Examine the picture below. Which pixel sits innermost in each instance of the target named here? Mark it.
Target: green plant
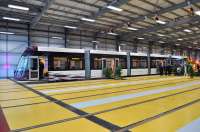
(118, 72)
(107, 72)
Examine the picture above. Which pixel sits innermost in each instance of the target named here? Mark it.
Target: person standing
(41, 69)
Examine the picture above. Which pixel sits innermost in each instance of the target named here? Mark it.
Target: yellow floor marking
(148, 87)
(22, 101)
(26, 116)
(17, 95)
(10, 87)
(133, 114)
(81, 125)
(104, 86)
(86, 83)
(171, 122)
(132, 101)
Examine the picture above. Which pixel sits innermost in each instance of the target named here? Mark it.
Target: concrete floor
(139, 104)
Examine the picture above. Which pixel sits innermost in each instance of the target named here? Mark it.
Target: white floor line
(96, 102)
(82, 88)
(191, 127)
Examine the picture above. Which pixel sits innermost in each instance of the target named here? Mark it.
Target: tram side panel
(139, 65)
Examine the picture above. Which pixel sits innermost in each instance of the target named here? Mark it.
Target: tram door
(110, 63)
(33, 68)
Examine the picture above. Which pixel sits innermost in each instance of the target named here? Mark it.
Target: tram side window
(139, 62)
(123, 63)
(143, 63)
(97, 63)
(60, 63)
(75, 64)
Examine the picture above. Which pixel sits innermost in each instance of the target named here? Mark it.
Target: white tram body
(77, 64)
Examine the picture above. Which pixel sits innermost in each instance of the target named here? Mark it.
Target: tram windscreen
(21, 71)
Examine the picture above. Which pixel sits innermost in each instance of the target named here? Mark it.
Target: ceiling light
(56, 37)
(141, 38)
(187, 30)
(114, 8)
(11, 19)
(160, 22)
(161, 41)
(94, 41)
(131, 28)
(161, 35)
(197, 13)
(111, 33)
(180, 39)
(88, 19)
(123, 44)
(71, 27)
(177, 44)
(18, 7)
(7, 33)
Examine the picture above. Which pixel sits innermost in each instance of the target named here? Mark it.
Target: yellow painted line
(132, 101)
(126, 116)
(16, 95)
(111, 85)
(136, 89)
(173, 121)
(22, 101)
(87, 83)
(80, 125)
(26, 116)
(19, 102)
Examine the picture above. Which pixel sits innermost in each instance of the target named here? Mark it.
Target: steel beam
(165, 10)
(42, 12)
(161, 27)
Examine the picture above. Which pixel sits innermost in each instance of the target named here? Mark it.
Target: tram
(57, 64)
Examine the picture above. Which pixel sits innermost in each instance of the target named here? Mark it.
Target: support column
(87, 64)
(117, 43)
(29, 37)
(196, 54)
(149, 57)
(162, 50)
(66, 33)
(135, 45)
(188, 53)
(81, 39)
(95, 42)
(48, 36)
(128, 64)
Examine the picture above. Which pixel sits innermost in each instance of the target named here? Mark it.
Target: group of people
(165, 69)
(178, 69)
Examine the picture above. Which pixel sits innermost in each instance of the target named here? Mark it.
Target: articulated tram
(57, 64)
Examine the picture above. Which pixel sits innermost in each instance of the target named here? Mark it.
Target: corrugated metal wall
(12, 46)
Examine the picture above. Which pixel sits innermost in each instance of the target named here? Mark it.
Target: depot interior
(99, 65)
